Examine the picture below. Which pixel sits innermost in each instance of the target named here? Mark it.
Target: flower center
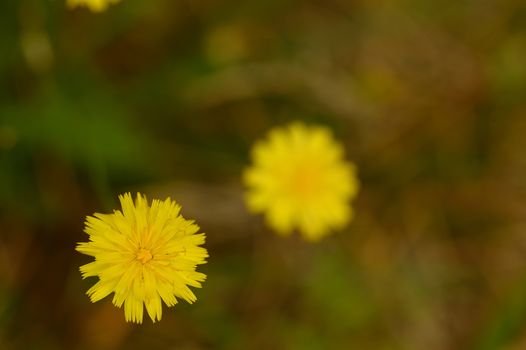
(305, 181)
(144, 255)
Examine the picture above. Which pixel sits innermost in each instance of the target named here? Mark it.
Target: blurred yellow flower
(142, 255)
(299, 180)
(94, 5)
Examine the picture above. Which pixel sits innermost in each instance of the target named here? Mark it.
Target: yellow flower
(94, 5)
(142, 255)
(300, 180)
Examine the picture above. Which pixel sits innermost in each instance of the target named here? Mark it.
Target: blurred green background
(166, 97)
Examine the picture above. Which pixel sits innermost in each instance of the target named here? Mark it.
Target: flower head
(143, 255)
(300, 180)
(94, 5)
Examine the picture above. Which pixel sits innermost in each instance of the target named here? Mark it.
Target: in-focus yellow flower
(94, 5)
(142, 255)
(299, 180)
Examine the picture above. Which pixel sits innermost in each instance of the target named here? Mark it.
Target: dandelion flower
(143, 255)
(300, 181)
(94, 5)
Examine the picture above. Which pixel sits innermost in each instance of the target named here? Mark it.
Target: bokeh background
(166, 97)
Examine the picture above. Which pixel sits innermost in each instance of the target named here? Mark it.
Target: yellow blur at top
(94, 5)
